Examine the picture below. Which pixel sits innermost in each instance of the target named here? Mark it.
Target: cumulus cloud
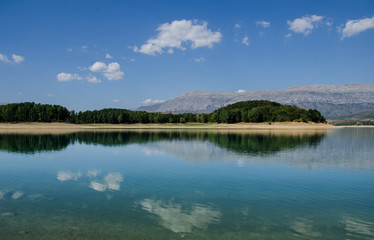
(4, 58)
(237, 25)
(66, 77)
(263, 23)
(108, 56)
(15, 58)
(305, 24)
(112, 71)
(240, 91)
(149, 101)
(179, 34)
(245, 41)
(93, 79)
(353, 27)
(288, 35)
(199, 60)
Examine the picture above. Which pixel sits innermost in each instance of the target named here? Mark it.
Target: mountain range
(333, 101)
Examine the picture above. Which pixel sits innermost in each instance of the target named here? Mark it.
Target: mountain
(363, 118)
(331, 100)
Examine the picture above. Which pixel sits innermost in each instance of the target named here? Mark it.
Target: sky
(89, 55)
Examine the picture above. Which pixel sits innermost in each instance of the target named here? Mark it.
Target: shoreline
(275, 125)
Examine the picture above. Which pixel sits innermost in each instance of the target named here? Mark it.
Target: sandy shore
(289, 128)
(276, 125)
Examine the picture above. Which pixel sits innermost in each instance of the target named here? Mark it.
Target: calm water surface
(188, 185)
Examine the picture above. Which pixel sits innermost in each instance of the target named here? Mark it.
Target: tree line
(248, 111)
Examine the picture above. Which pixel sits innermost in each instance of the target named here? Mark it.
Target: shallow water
(188, 184)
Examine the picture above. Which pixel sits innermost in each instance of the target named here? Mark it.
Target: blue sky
(123, 54)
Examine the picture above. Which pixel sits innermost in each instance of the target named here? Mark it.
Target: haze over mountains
(331, 100)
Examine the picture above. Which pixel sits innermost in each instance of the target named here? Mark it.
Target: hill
(363, 118)
(264, 111)
(331, 100)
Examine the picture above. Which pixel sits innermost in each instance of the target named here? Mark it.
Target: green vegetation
(249, 111)
(264, 111)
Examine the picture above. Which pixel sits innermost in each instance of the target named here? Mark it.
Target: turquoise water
(188, 185)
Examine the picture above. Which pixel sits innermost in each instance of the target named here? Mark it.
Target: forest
(247, 111)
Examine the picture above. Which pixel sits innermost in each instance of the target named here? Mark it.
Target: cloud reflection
(111, 181)
(304, 227)
(178, 220)
(356, 226)
(67, 175)
(10, 194)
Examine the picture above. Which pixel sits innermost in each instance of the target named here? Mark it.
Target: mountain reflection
(243, 143)
(179, 220)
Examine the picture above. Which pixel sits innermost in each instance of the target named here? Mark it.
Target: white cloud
(241, 91)
(237, 25)
(15, 58)
(84, 47)
(178, 34)
(93, 79)
(353, 27)
(69, 49)
(263, 23)
(65, 77)
(149, 101)
(245, 41)
(4, 58)
(108, 56)
(132, 60)
(115, 100)
(304, 24)
(50, 95)
(288, 35)
(329, 23)
(112, 71)
(199, 60)
(98, 67)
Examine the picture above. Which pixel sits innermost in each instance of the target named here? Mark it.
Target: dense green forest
(249, 111)
(264, 111)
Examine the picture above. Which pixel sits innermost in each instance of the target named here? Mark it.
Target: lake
(188, 184)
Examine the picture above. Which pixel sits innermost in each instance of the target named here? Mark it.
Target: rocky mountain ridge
(332, 101)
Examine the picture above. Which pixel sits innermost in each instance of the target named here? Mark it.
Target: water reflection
(67, 175)
(179, 220)
(11, 195)
(252, 142)
(320, 148)
(303, 227)
(111, 181)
